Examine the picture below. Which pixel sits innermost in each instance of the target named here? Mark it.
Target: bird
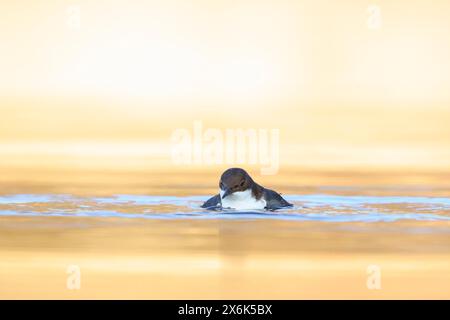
(237, 190)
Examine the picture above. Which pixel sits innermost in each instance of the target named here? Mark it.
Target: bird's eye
(242, 183)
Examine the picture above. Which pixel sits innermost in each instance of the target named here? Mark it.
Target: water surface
(312, 207)
(161, 244)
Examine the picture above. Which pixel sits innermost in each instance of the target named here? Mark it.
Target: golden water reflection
(139, 258)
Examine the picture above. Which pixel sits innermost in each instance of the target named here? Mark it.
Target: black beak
(227, 193)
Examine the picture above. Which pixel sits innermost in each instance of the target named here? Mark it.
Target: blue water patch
(312, 207)
(334, 200)
(142, 199)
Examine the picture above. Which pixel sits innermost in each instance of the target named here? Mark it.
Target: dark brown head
(234, 180)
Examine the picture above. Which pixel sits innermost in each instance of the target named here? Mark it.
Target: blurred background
(101, 85)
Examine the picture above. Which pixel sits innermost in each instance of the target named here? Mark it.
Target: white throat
(242, 200)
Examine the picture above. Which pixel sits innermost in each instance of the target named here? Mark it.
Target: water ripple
(312, 207)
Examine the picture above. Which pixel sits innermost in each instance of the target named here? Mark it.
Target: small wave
(315, 207)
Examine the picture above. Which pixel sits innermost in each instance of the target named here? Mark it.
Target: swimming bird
(237, 190)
